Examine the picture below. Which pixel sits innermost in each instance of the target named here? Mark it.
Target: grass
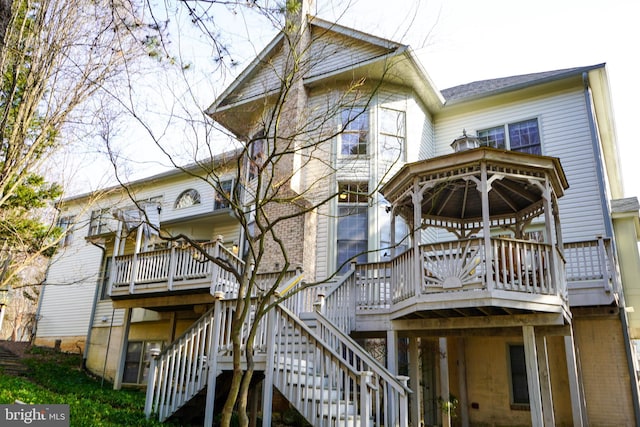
(54, 377)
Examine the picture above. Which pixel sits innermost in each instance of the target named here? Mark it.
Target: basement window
(138, 358)
(518, 380)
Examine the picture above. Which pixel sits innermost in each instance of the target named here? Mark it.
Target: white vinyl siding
(72, 281)
(331, 51)
(564, 133)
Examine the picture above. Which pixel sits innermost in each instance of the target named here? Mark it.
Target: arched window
(187, 198)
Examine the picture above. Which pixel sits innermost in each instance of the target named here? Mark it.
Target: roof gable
(333, 48)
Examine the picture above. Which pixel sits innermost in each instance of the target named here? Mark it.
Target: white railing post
(267, 383)
(215, 269)
(151, 386)
(403, 410)
(172, 267)
(134, 261)
(365, 398)
(602, 259)
(213, 359)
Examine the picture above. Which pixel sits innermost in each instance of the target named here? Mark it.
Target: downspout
(595, 142)
(93, 309)
(608, 223)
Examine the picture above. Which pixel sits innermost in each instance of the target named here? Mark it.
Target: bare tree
(55, 58)
(277, 205)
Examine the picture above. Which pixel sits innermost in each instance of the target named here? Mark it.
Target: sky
(460, 41)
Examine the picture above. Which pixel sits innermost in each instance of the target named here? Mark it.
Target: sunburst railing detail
(452, 265)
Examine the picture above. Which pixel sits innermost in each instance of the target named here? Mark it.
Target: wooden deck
(461, 276)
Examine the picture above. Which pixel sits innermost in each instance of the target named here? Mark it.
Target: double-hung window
(257, 154)
(391, 139)
(521, 136)
(353, 224)
(223, 196)
(354, 139)
(65, 223)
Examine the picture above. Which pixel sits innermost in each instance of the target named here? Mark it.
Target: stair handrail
(341, 314)
(352, 345)
(161, 389)
(283, 365)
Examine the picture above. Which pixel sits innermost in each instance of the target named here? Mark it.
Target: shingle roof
(489, 87)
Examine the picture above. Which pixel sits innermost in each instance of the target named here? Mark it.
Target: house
(496, 281)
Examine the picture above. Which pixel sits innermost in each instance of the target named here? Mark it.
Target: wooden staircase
(323, 373)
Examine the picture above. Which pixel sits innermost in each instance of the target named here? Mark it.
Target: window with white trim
(105, 271)
(352, 240)
(391, 139)
(354, 138)
(66, 223)
(99, 221)
(521, 136)
(187, 198)
(222, 198)
(257, 154)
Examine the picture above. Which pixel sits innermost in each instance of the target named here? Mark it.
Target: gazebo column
(486, 223)
(548, 212)
(392, 229)
(416, 199)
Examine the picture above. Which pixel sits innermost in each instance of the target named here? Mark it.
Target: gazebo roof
(450, 186)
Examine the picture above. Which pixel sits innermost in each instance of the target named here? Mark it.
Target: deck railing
(179, 267)
(515, 266)
(461, 265)
(592, 261)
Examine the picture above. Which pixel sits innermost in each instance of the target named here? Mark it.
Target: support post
(392, 351)
(414, 378)
(151, 385)
(404, 404)
(533, 380)
(212, 360)
(392, 365)
(462, 384)
(545, 381)
(124, 342)
(574, 381)
(267, 383)
(444, 382)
